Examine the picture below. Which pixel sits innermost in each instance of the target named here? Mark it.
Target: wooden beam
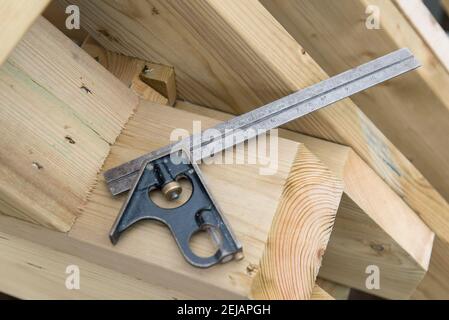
(376, 223)
(359, 242)
(149, 252)
(59, 113)
(151, 130)
(38, 272)
(16, 17)
(318, 26)
(292, 257)
(162, 79)
(435, 285)
(372, 227)
(337, 38)
(126, 69)
(156, 84)
(425, 25)
(239, 57)
(152, 82)
(337, 291)
(42, 53)
(33, 271)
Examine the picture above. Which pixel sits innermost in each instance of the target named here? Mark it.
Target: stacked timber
(359, 184)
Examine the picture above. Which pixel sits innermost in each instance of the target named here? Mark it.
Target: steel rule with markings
(161, 169)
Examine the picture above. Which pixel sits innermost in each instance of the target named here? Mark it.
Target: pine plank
(425, 25)
(234, 56)
(372, 226)
(412, 111)
(126, 69)
(38, 272)
(56, 134)
(149, 252)
(150, 129)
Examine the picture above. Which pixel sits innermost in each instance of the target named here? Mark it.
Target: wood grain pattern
(412, 111)
(359, 237)
(55, 134)
(162, 79)
(372, 226)
(297, 242)
(16, 17)
(435, 285)
(150, 129)
(126, 69)
(419, 100)
(149, 252)
(38, 272)
(425, 25)
(54, 62)
(233, 55)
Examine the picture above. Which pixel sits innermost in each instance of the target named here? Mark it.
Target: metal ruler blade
(276, 113)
